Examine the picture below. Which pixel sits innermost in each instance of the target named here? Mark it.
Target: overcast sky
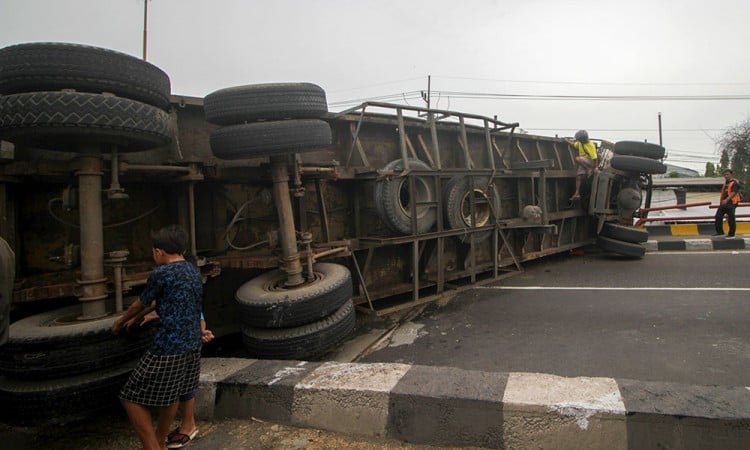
(360, 49)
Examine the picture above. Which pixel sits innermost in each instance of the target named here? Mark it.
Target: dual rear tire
(279, 321)
(267, 120)
(301, 322)
(639, 157)
(60, 96)
(64, 97)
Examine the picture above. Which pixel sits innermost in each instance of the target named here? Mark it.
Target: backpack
(740, 188)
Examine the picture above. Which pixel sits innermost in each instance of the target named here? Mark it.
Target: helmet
(582, 135)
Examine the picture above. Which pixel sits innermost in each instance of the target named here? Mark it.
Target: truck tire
(458, 207)
(392, 199)
(236, 105)
(64, 120)
(52, 66)
(68, 398)
(270, 138)
(54, 344)
(637, 148)
(304, 342)
(629, 249)
(638, 164)
(624, 233)
(264, 302)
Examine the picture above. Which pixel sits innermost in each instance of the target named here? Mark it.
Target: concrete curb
(698, 244)
(455, 407)
(693, 229)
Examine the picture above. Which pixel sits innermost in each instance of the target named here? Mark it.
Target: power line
(490, 95)
(588, 83)
(410, 95)
(385, 83)
(545, 97)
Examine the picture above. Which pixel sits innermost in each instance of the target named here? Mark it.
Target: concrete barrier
(693, 229)
(697, 244)
(455, 407)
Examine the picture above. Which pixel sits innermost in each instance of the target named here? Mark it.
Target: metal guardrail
(644, 211)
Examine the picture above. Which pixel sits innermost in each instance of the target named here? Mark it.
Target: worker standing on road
(728, 201)
(586, 159)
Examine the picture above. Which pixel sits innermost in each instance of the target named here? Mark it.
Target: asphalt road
(677, 317)
(672, 316)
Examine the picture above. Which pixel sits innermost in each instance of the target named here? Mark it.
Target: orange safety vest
(729, 189)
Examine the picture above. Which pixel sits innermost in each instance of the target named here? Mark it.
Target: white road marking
(702, 253)
(602, 288)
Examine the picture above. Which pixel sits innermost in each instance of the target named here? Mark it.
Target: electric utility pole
(145, 27)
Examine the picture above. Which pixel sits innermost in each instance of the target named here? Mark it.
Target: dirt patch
(111, 431)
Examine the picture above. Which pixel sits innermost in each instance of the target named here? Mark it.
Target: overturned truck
(300, 217)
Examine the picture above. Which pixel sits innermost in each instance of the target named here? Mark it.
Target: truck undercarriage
(299, 217)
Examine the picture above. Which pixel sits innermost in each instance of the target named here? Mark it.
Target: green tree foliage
(735, 153)
(711, 170)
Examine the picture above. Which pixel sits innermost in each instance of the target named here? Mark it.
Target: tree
(735, 152)
(711, 170)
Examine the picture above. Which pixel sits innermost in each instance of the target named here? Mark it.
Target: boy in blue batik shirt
(171, 366)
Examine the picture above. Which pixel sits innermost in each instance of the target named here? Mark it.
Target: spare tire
(270, 138)
(393, 199)
(458, 205)
(52, 66)
(236, 105)
(638, 164)
(637, 148)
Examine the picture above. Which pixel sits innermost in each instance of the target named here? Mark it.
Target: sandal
(175, 439)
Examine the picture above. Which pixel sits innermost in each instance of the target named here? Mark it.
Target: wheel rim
(481, 208)
(277, 284)
(423, 194)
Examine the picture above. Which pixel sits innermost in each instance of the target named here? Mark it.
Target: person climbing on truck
(586, 159)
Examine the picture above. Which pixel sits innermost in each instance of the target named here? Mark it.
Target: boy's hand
(207, 336)
(116, 326)
(149, 317)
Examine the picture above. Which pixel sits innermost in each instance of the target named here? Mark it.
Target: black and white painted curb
(454, 407)
(698, 244)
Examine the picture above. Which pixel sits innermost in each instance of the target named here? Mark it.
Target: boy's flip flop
(178, 440)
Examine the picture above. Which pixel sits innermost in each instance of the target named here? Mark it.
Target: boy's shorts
(160, 380)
